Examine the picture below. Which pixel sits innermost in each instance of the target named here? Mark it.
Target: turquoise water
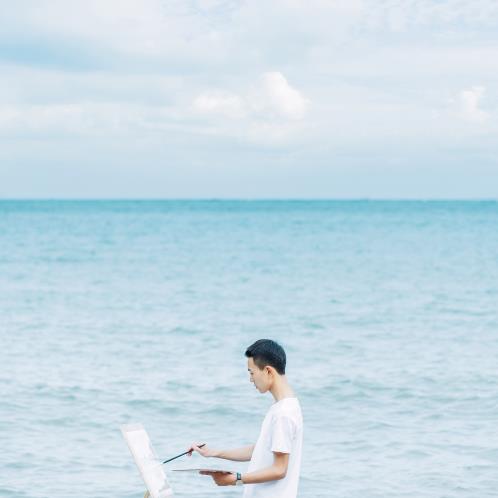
(117, 312)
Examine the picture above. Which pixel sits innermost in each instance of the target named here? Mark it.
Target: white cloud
(143, 30)
(81, 120)
(42, 119)
(272, 97)
(270, 111)
(282, 97)
(417, 14)
(225, 104)
(95, 104)
(469, 101)
(190, 66)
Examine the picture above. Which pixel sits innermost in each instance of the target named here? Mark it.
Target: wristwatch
(238, 482)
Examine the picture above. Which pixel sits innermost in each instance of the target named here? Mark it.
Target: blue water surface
(140, 311)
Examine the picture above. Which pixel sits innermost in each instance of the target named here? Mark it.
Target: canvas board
(150, 467)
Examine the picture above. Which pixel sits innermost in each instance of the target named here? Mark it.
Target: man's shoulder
(288, 407)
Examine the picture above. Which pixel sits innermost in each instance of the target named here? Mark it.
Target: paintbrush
(181, 454)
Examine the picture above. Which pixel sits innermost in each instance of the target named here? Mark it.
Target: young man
(275, 459)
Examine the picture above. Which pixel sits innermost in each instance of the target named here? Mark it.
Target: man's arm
(243, 454)
(272, 473)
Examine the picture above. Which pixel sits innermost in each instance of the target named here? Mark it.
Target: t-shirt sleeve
(283, 434)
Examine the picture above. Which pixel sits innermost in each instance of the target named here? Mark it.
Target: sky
(249, 99)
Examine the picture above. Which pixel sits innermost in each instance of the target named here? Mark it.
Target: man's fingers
(193, 447)
(147, 494)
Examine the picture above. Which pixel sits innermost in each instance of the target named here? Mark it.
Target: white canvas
(149, 466)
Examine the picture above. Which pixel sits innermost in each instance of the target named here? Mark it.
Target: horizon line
(248, 199)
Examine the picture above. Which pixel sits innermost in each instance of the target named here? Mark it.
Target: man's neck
(281, 389)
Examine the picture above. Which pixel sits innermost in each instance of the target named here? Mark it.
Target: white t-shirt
(282, 431)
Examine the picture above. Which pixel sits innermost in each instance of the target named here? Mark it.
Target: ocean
(113, 312)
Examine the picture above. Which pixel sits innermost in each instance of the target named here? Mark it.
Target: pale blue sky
(249, 99)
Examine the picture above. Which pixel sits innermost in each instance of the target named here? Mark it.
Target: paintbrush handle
(181, 454)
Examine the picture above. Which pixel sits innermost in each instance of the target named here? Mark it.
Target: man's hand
(147, 494)
(204, 451)
(221, 478)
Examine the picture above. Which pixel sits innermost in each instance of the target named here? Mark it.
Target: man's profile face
(260, 378)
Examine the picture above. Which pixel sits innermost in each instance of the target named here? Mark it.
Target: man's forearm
(237, 454)
(272, 473)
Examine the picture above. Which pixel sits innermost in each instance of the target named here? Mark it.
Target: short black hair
(267, 352)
